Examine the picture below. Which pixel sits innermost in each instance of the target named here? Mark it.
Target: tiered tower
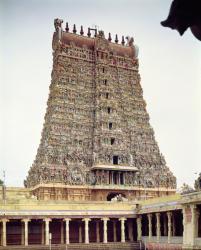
(97, 142)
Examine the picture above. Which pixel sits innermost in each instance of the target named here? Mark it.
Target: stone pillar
(173, 225)
(47, 233)
(26, 231)
(195, 217)
(119, 178)
(112, 177)
(80, 232)
(114, 230)
(165, 225)
(43, 233)
(86, 221)
(190, 222)
(158, 227)
(67, 220)
(139, 228)
(97, 231)
(122, 229)
(130, 230)
(22, 233)
(150, 225)
(123, 173)
(105, 229)
(169, 216)
(108, 177)
(62, 232)
(4, 241)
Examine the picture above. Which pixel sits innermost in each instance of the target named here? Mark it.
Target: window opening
(112, 141)
(107, 95)
(110, 125)
(115, 160)
(108, 110)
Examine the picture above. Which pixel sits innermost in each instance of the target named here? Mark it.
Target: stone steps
(76, 246)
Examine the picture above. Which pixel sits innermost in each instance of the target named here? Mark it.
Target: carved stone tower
(97, 143)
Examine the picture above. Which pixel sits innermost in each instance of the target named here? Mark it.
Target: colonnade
(110, 177)
(66, 223)
(160, 224)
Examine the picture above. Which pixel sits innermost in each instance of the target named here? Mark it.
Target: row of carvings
(76, 175)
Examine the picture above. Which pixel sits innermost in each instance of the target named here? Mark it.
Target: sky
(169, 65)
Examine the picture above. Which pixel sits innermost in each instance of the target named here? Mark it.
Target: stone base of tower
(97, 193)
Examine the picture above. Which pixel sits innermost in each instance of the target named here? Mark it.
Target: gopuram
(99, 180)
(97, 142)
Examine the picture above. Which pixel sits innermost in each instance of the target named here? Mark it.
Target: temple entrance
(115, 195)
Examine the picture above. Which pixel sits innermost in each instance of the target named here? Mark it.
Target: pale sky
(170, 68)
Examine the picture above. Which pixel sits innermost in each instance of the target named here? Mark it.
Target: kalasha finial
(109, 37)
(81, 31)
(67, 28)
(95, 33)
(74, 29)
(122, 41)
(89, 33)
(116, 39)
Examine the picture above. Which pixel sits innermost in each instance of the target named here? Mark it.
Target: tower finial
(81, 31)
(67, 28)
(122, 41)
(95, 33)
(74, 29)
(89, 33)
(116, 39)
(109, 37)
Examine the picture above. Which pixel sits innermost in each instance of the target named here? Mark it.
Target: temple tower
(97, 142)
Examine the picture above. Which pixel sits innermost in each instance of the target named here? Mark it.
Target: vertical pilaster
(139, 227)
(97, 231)
(150, 225)
(86, 226)
(26, 232)
(114, 230)
(47, 232)
(158, 227)
(67, 220)
(169, 216)
(4, 240)
(122, 229)
(105, 220)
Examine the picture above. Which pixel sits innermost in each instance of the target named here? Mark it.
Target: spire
(116, 39)
(89, 33)
(122, 41)
(109, 37)
(67, 28)
(81, 31)
(74, 29)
